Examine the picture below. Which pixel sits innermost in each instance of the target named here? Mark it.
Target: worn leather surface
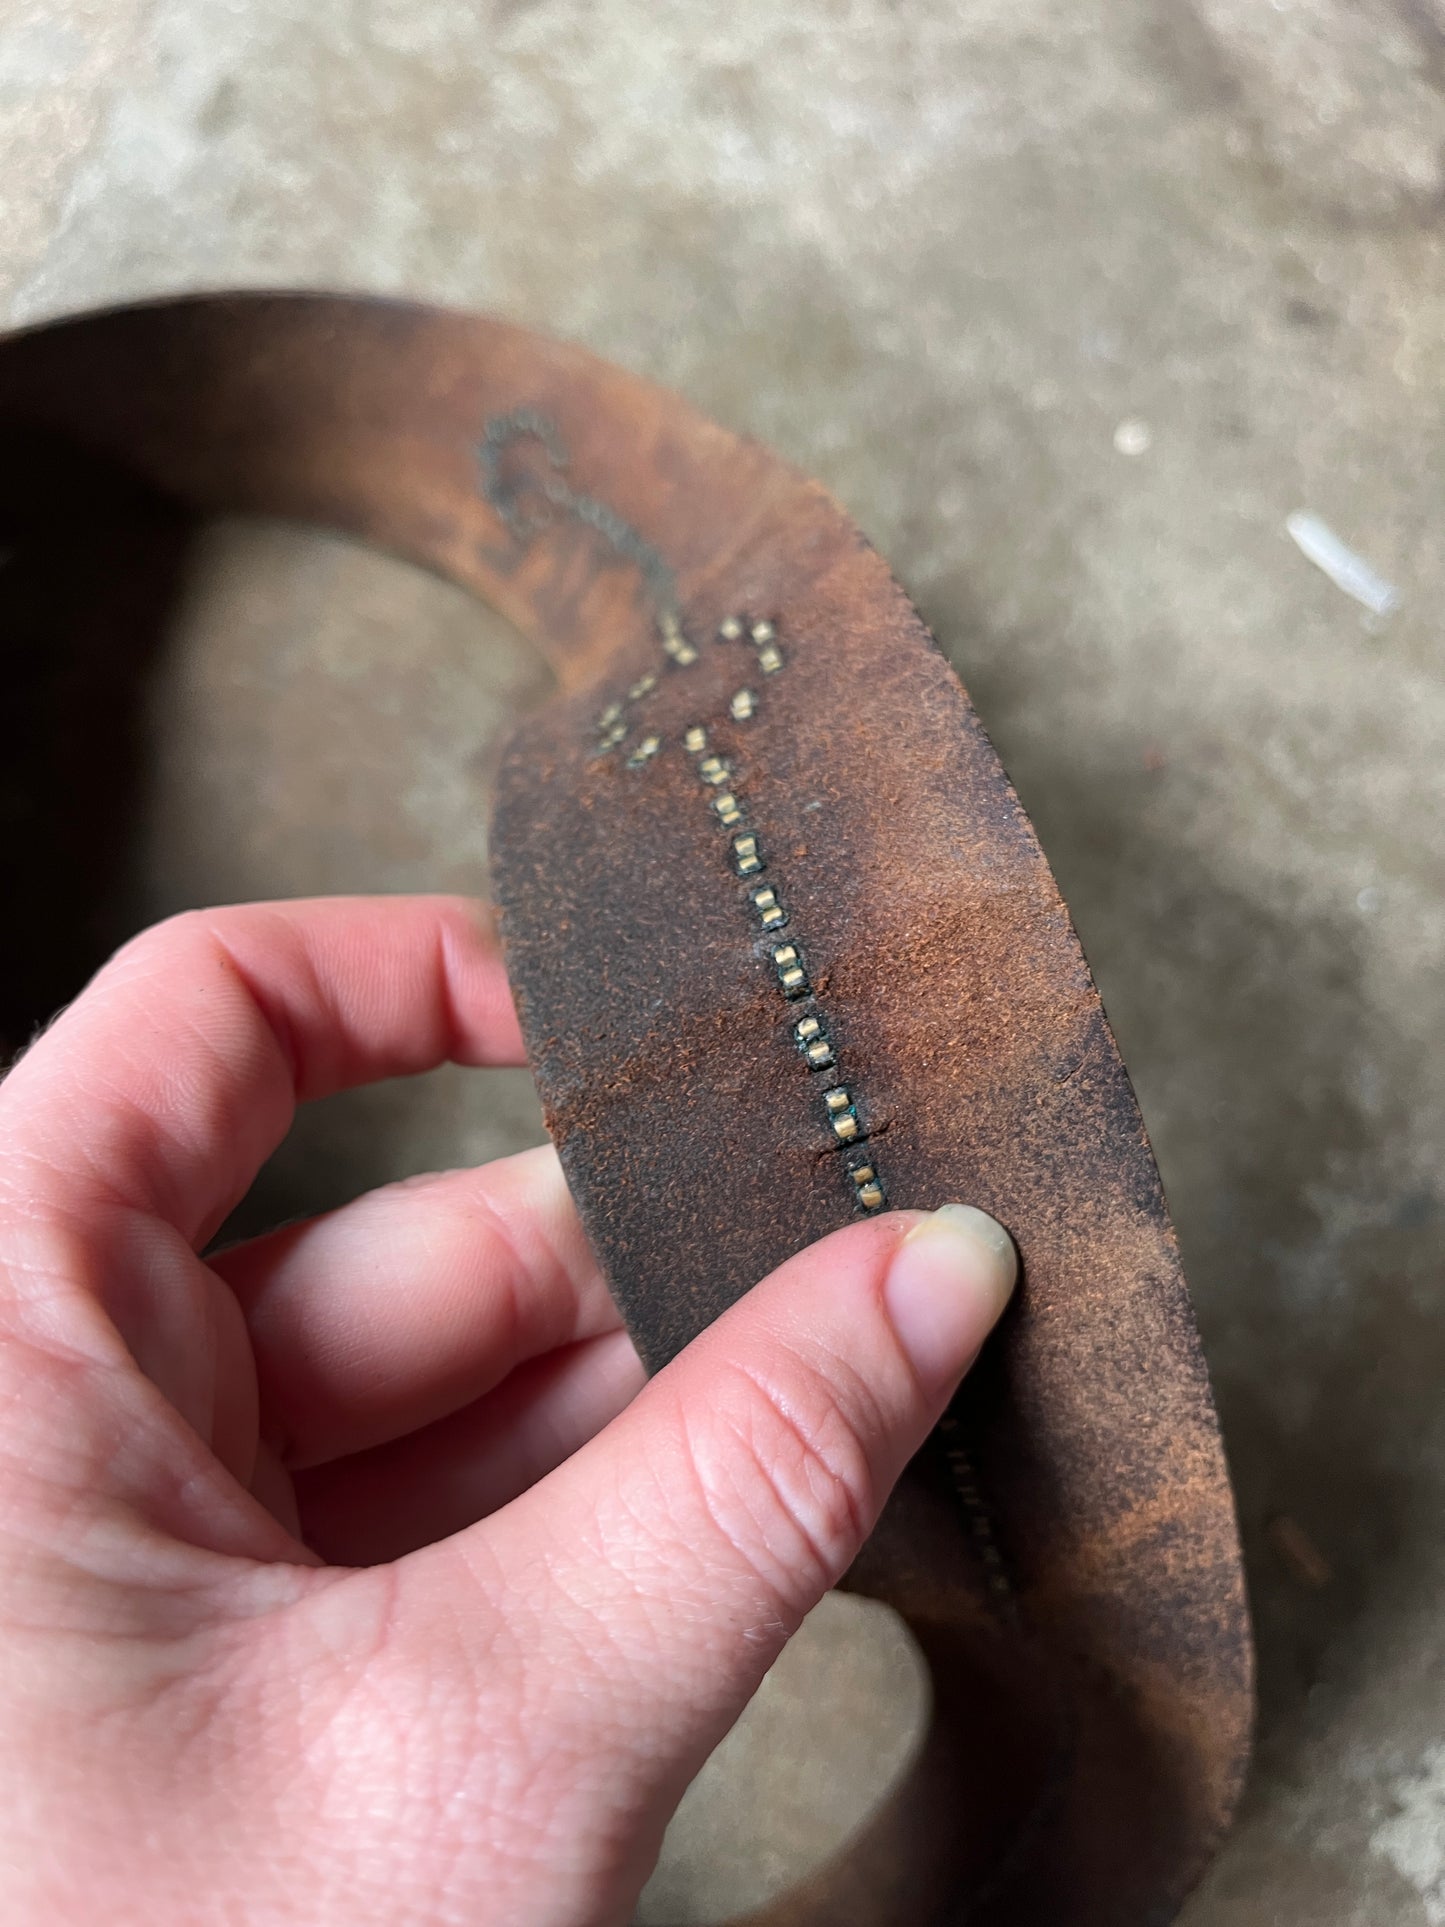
(1065, 1549)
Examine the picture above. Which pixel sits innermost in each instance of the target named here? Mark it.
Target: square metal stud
(609, 716)
(743, 706)
(645, 751)
(644, 686)
(813, 1041)
(730, 629)
(792, 978)
(612, 737)
(770, 659)
(680, 650)
(728, 808)
(670, 623)
(745, 854)
(714, 769)
(867, 1189)
(763, 632)
(771, 913)
(841, 1114)
(695, 741)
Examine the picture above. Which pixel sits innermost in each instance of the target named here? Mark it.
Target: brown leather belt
(786, 951)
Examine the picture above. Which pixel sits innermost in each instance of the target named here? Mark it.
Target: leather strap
(786, 951)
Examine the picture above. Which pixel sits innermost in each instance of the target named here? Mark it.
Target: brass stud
(695, 741)
(867, 1189)
(680, 650)
(763, 632)
(609, 716)
(614, 736)
(743, 705)
(745, 853)
(813, 1041)
(770, 659)
(841, 1114)
(792, 977)
(728, 808)
(645, 751)
(644, 686)
(730, 629)
(669, 623)
(770, 911)
(714, 769)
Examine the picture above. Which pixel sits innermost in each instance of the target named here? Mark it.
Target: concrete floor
(1072, 302)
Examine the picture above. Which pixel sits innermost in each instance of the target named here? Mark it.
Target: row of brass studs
(965, 1484)
(809, 1032)
(674, 643)
(762, 635)
(613, 724)
(612, 730)
(717, 773)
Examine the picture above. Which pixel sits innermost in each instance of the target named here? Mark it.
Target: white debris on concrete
(1133, 437)
(1348, 571)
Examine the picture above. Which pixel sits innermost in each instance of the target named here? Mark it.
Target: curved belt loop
(786, 951)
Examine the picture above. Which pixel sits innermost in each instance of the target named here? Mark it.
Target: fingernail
(946, 1288)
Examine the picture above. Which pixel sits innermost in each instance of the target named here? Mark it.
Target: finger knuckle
(175, 936)
(786, 1478)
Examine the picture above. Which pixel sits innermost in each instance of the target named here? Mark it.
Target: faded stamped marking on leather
(509, 491)
(527, 498)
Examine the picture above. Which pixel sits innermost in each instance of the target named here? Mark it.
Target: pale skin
(354, 1574)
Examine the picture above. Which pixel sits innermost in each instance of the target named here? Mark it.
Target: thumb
(669, 1560)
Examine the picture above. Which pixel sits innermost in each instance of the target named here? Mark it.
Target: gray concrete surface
(1072, 303)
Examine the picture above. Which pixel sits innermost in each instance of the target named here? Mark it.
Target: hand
(354, 1575)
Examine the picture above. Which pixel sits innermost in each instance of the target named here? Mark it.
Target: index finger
(177, 1071)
